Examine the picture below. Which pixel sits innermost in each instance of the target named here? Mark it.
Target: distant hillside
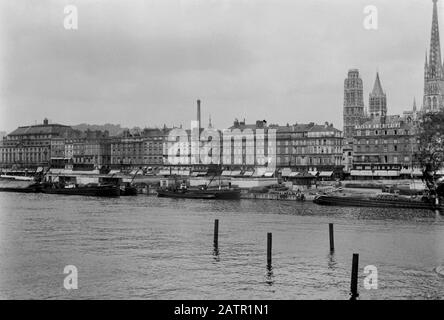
(113, 129)
(2, 134)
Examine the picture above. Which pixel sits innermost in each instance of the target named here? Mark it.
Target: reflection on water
(269, 275)
(154, 248)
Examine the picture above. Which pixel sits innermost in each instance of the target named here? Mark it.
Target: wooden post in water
(332, 239)
(269, 249)
(354, 277)
(216, 233)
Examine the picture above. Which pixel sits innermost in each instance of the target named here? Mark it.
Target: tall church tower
(378, 100)
(433, 69)
(353, 103)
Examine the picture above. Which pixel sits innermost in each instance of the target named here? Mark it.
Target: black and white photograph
(239, 151)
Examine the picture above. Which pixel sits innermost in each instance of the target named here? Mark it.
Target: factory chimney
(198, 113)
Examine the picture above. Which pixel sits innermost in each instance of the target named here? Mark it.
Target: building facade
(385, 147)
(33, 146)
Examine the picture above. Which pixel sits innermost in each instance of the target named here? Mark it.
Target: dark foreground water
(153, 248)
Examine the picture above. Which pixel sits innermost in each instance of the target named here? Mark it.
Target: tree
(431, 146)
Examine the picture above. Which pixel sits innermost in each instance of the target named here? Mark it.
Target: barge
(380, 200)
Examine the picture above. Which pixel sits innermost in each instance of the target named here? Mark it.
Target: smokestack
(198, 113)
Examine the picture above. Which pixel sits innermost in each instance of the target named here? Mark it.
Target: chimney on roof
(45, 121)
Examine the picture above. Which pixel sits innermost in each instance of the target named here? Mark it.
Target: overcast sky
(144, 63)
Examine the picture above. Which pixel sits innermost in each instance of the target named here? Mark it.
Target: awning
(248, 173)
(226, 173)
(259, 172)
(286, 172)
(268, 174)
(313, 173)
(393, 173)
(235, 173)
(417, 172)
(294, 174)
(164, 172)
(325, 173)
(361, 173)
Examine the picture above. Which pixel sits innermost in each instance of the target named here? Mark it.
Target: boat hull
(222, 194)
(183, 195)
(101, 191)
(33, 188)
(128, 191)
(369, 202)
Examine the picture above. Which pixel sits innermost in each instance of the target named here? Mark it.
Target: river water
(156, 248)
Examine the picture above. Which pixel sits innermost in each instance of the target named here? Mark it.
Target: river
(156, 248)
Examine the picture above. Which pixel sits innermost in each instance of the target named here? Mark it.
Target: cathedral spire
(433, 70)
(377, 100)
(435, 63)
(377, 88)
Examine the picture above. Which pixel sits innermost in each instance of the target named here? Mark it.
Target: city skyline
(258, 66)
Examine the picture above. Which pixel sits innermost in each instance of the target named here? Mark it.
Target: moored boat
(381, 200)
(87, 190)
(187, 194)
(32, 188)
(128, 190)
(218, 194)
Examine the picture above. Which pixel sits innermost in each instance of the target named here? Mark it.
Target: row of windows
(382, 132)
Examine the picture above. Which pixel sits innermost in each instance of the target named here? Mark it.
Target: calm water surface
(154, 248)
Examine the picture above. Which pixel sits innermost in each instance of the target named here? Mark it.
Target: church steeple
(435, 62)
(377, 88)
(377, 100)
(433, 69)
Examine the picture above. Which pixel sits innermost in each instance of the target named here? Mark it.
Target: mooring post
(332, 239)
(354, 277)
(269, 249)
(216, 233)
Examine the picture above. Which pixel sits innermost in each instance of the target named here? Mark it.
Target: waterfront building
(299, 147)
(154, 146)
(384, 147)
(96, 149)
(433, 69)
(127, 150)
(140, 149)
(32, 146)
(310, 147)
